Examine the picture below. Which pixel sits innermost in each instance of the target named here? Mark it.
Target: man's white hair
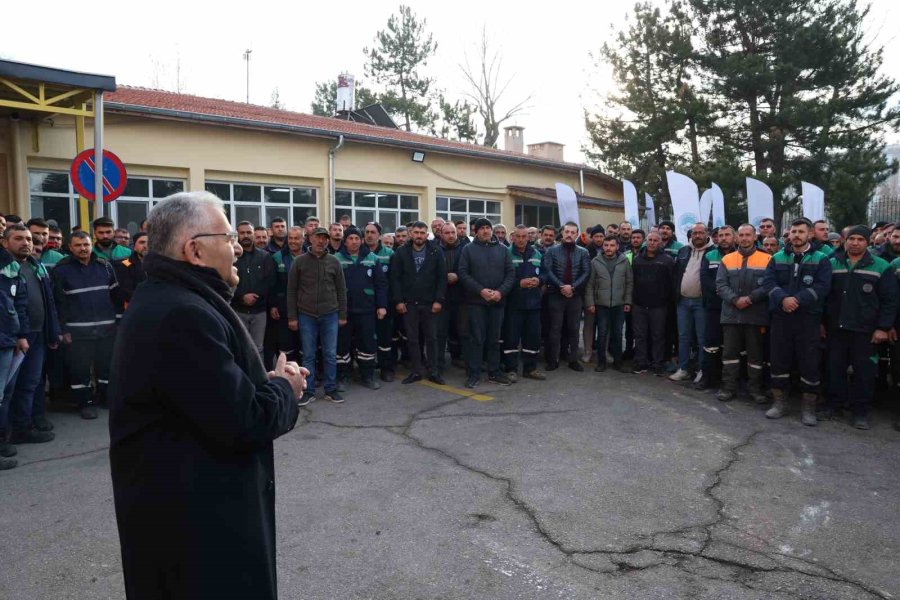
(178, 217)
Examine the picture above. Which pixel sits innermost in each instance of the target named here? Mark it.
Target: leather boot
(809, 410)
(777, 410)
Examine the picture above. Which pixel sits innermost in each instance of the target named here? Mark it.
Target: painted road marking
(458, 391)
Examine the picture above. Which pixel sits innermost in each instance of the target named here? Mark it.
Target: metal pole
(247, 58)
(98, 154)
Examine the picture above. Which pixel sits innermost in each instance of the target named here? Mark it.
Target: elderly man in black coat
(192, 418)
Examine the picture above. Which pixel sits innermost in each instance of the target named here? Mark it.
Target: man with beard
(437, 226)
(450, 325)
(367, 298)
(860, 312)
(40, 234)
(384, 328)
(401, 235)
(745, 316)
(462, 233)
(691, 318)
(567, 268)
(105, 245)
(500, 234)
(256, 271)
(285, 340)
(797, 281)
(16, 240)
(309, 226)
(261, 237)
(653, 274)
(712, 306)
(418, 286)
(335, 238)
(819, 239)
(522, 321)
(279, 235)
(130, 271)
(83, 285)
(193, 418)
(624, 237)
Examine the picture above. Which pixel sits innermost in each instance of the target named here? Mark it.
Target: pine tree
(396, 62)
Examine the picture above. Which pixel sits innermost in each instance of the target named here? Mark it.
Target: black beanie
(482, 222)
(669, 223)
(860, 230)
(352, 230)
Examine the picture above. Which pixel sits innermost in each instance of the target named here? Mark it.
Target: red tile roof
(185, 106)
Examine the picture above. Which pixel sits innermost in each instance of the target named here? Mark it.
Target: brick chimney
(514, 139)
(547, 150)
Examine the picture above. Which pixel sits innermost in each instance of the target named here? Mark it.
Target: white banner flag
(813, 201)
(706, 202)
(567, 203)
(718, 206)
(760, 204)
(629, 193)
(685, 204)
(649, 210)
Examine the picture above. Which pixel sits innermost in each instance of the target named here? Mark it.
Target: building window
(259, 204)
(451, 208)
(537, 215)
(140, 194)
(388, 209)
(52, 197)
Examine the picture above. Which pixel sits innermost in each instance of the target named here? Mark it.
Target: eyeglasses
(232, 236)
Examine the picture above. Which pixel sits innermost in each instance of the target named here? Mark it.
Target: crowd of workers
(736, 310)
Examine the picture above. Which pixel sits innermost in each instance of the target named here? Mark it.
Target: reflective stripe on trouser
(387, 352)
(359, 335)
(851, 349)
(794, 344)
(738, 339)
(521, 327)
(712, 348)
(83, 357)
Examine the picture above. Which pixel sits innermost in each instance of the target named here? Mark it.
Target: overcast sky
(546, 48)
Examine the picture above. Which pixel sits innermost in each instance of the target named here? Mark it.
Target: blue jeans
(324, 327)
(610, 320)
(29, 382)
(691, 322)
(6, 359)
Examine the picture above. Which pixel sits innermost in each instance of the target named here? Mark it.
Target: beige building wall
(199, 152)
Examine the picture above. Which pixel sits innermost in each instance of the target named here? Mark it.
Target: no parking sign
(83, 173)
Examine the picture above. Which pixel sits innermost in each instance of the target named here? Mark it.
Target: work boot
(42, 424)
(89, 412)
(342, 384)
(777, 410)
(369, 382)
(724, 395)
(809, 410)
(31, 436)
(387, 376)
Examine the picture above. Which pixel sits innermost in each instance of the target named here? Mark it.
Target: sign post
(110, 185)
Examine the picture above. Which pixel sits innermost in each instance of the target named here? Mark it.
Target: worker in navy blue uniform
(712, 304)
(860, 312)
(384, 328)
(522, 321)
(285, 340)
(278, 242)
(130, 271)
(367, 297)
(797, 280)
(83, 285)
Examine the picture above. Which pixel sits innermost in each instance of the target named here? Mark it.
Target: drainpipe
(331, 152)
(581, 180)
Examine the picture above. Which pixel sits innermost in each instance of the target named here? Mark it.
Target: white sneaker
(698, 377)
(679, 375)
(587, 357)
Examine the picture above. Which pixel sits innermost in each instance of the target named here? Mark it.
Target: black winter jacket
(654, 280)
(257, 272)
(426, 286)
(485, 266)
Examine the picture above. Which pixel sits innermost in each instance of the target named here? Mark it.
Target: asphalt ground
(582, 486)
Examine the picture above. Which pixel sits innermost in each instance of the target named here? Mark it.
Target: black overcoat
(191, 451)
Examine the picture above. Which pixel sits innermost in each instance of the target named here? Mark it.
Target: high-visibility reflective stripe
(785, 376)
(752, 366)
(731, 362)
(513, 351)
(362, 355)
(809, 382)
(91, 324)
(78, 386)
(87, 289)
(530, 351)
(106, 381)
(712, 350)
(384, 348)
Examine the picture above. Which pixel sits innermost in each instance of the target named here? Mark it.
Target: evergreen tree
(396, 62)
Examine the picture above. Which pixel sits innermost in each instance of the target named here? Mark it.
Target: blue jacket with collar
(83, 295)
(367, 286)
(526, 265)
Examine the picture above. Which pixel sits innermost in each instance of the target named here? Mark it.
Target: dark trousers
(568, 311)
(485, 323)
(649, 335)
(418, 325)
(521, 327)
(287, 341)
(610, 320)
(794, 342)
(29, 384)
(629, 336)
(82, 355)
(387, 353)
(451, 330)
(712, 346)
(359, 335)
(742, 338)
(846, 349)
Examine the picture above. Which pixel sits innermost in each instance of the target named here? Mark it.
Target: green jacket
(116, 252)
(607, 288)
